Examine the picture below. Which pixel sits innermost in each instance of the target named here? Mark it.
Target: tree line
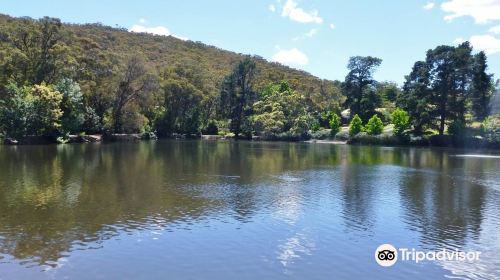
(57, 80)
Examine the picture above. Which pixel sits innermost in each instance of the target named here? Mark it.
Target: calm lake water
(243, 210)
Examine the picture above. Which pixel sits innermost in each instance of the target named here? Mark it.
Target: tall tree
(181, 108)
(359, 86)
(416, 97)
(482, 87)
(136, 82)
(38, 51)
(237, 96)
(450, 80)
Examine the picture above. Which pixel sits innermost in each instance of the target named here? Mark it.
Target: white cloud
(495, 29)
(458, 41)
(308, 34)
(272, 8)
(311, 33)
(157, 30)
(487, 43)
(332, 26)
(297, 14)
(142, 20)
(429, 5)
(482, 11)
(291, 57)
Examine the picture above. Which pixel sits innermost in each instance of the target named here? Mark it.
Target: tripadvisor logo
(387, 255)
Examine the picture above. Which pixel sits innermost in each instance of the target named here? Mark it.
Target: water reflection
(295, 202)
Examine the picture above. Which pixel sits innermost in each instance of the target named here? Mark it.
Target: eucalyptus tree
(237, 96)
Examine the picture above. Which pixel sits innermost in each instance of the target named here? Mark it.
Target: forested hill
(116, 45)
(98, 79)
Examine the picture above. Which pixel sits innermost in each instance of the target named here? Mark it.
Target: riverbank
(342, 138)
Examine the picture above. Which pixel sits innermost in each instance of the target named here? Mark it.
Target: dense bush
(491, 127)
(334, 124)
(31, 111)
(374, 126)
(342, 136)
(457, 128)
(401, 121)
(211, 128)
(281, 111)
(356, 125)
(321, 134)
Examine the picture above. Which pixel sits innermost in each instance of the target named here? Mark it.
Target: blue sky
(316, 36)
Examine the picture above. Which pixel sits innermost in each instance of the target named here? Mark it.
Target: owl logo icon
(386, 255)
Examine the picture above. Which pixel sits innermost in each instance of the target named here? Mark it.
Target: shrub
(401, 121)
(356, 125)
(491, 127)
(374, 126)
(342, 135)
(457, 128)
(334, 124)
(321, 134)
(211, 128)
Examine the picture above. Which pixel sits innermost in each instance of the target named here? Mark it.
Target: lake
(244, 210)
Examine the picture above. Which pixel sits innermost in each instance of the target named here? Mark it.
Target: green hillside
(95, 58)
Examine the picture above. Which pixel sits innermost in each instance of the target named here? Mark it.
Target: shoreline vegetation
(67, 83)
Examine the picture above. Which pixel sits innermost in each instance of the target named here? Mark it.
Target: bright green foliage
(401, 121)
(281, 111)
(375, 126)
(334, 123)
(491, 127)
(15, 111)
(46, 115)
(31, 111)
(72, 106)
(356, 125)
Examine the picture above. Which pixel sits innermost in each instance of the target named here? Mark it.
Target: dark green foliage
(441, 87)
(182, 102)
(457, 128)
(356, 125)
(15, 112)
(374, 126)
(482, 87)
(416, 97)
(359, 86)
(388, 92)
(237, 96)
(212, 128)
